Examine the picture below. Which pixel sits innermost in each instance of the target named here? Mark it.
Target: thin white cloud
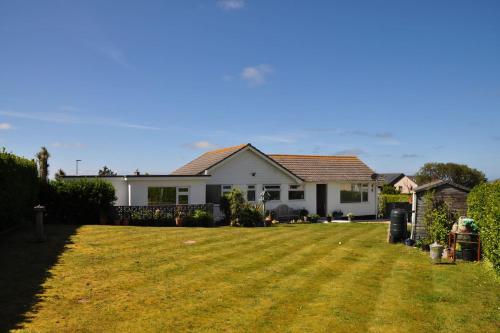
(114, 53)
(410, 156)
(201, 145)
(256, 75)
(350, 152)
(76, 145)
(228, 78)
(5, 126)
(231, 4)
(65, 118)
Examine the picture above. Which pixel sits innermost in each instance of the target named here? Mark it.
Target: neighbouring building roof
(208, 160)
(438, 183)
(392, 178)
(317, 168)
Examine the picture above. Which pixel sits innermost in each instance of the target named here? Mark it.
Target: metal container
(398, 225)
(436, 252)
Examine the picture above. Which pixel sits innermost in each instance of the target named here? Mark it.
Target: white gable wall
(238, 170)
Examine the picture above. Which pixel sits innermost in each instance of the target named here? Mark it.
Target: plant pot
(178, 221)
(125, 222)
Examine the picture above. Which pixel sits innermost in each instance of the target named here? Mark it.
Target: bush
(203, 218)
(250, 216)
(303, 212)
(313, 218)
(19, 186)
(438, 219)
(389, 189)
(484, 207)
(77, 201)
(336, 214)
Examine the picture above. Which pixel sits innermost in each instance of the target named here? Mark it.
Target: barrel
(398, 225)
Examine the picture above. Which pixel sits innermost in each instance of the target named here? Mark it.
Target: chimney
(137, 173)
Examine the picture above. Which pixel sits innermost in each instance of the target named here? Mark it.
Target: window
(274, 191)
(158, 196)
(161, 196)
(250, 192)
(296, 192)
(352, 193)
(225, 189)
(183, 195)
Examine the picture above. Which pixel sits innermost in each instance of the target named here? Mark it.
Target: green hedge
(79, 201)
(484, 207)
(397, 197)
(18, 189)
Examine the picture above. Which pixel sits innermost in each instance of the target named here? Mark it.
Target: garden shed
(454, 195)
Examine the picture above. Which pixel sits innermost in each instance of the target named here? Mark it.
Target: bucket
(436, 252)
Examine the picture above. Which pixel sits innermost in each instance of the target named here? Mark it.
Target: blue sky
(152, 84)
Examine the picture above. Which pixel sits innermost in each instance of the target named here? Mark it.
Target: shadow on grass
(25, 266)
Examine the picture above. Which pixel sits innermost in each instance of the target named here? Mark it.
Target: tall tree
(43, 164)
(105, 171)
(457, 173)
(60, 174)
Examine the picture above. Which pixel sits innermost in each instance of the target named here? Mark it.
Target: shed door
(213, 194)
(321, 199)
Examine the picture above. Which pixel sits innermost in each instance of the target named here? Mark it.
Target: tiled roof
(392, 178)
(305, 167)
(207, 160)
(325, 168)
(438, 183)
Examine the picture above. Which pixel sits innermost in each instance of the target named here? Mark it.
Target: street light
(77, 166)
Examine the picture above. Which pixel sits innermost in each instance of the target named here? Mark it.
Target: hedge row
(390, 198)
(484, 207)
(18, 189)
(80, 201)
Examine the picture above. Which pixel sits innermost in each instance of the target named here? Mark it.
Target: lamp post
(77, 166)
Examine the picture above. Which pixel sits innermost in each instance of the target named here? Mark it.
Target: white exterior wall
(121, 190)
(238, 171)
(139, 189)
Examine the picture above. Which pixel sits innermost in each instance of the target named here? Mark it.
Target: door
(321, 199)
(213, 194)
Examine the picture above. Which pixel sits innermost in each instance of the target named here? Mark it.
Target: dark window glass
(161, 196)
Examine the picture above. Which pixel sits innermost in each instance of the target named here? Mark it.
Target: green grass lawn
(295, 278)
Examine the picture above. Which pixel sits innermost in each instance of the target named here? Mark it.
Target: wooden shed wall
(455, 198)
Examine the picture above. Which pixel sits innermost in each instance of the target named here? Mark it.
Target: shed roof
(438, 183)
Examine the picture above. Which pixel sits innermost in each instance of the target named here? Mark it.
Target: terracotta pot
(178, 221)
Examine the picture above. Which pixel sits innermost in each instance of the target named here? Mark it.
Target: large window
(274, 191)
(158, 196)
(296, 192)
(251, 193)
(352, 193)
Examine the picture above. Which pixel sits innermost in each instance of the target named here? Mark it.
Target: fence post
(39, 234)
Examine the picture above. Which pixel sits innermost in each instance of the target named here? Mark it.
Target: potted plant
(350, 217)
(179, 216)
(329, 217)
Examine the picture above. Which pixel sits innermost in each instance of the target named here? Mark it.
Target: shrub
(438, 219)
(303, 212)
(389, 189)
(77, 201)
(19, 186)
(250, 217)
(236, 203)
(314, 218)
(336, 214)
(484, 207)
(203, 218)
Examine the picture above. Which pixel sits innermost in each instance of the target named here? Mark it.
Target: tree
(60, 174)
(389, 189)
(456, 173)
(105, 171)
(43, 164)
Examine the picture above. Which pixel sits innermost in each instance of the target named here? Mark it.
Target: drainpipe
(413, 215)
(129, 192)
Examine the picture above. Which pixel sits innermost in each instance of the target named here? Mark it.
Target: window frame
(361, 188)
(178, 192)
(296, 188)
(252, 188)
(273, 188)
